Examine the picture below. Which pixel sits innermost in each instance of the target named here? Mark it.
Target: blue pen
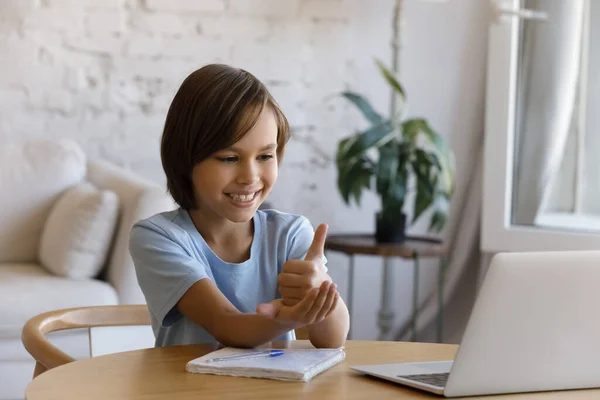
(269, 353)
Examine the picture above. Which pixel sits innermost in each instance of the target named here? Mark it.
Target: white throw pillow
(78, 232)
(33, 174)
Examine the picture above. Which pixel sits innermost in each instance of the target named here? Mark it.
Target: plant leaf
(426, 179)
(398, 191)
(362, 180)
(423, 199)
(399, 188)
(446, 157)
(343, 146)
(439, 217)
(353, 177)
(343, 184)
(423, 168)
(435, 161)
(391, 79)
(374, 136)
(387, 167)
(438, 220)
(364, 106)
(436, 139)
(411, 129)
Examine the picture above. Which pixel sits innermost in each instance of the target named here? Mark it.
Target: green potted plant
(396, 156)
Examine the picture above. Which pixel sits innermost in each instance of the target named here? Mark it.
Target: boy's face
(232, 183)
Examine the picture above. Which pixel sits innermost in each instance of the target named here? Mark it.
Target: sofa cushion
(79, 231)
(32, 176)
(28, 290)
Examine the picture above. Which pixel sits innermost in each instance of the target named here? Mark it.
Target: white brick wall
(79, 63)
(104, 72)
(157, 24)
(186, 6)
(105, 21)
(266, 8)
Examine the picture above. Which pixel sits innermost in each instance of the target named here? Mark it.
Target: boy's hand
(312, 309)
(299, 277)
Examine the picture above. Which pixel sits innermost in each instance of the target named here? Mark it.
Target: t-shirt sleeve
(302, 235)
(165, 270)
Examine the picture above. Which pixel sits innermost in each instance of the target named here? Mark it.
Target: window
(542, 172)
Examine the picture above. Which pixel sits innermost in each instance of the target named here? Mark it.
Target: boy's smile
(244, 199)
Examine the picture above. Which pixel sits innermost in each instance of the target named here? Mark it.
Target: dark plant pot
(390, 229)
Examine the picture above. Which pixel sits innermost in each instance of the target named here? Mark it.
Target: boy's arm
(206, 306)
(232, 328)
(332, 331)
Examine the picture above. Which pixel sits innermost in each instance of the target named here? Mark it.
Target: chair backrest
(47, 355)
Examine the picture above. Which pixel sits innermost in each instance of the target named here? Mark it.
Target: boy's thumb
(317, 247)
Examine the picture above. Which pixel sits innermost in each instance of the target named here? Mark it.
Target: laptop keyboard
(430, 379)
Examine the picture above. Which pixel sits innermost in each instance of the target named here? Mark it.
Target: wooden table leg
(386, 314)
(350, 293)
(440, 295)
(415, 302)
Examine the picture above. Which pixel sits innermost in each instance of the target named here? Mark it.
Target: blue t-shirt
(170, 255)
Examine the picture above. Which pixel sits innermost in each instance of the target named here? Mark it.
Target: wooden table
(414, 248)
(159, 373)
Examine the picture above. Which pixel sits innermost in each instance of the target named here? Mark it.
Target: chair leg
(39, 368)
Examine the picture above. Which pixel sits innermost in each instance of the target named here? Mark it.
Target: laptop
(534, 327)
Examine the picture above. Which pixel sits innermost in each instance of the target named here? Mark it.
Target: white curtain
(549, 66)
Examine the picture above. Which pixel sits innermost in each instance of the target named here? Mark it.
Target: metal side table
(414, 248)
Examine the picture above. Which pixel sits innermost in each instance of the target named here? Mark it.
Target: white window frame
(498, 234)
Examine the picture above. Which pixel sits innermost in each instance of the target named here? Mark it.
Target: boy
(213, 270)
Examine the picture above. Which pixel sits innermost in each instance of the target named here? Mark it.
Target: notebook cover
(293, 365)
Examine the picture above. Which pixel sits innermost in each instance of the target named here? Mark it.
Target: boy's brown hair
(215, 107)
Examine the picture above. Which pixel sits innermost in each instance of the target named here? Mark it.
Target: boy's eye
(228, 160)
(265, 157)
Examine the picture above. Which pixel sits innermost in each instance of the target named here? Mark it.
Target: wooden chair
(48, 356)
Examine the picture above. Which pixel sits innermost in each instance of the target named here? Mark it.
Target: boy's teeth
(242, 197)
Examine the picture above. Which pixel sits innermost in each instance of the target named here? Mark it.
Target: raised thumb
(317, 247)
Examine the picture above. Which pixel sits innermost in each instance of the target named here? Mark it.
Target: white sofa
(33, 177)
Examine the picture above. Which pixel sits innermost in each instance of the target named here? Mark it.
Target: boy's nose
(248, 174)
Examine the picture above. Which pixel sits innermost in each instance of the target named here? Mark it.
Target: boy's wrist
(290, 325)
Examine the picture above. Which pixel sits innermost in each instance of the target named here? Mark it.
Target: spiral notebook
(292, 365)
